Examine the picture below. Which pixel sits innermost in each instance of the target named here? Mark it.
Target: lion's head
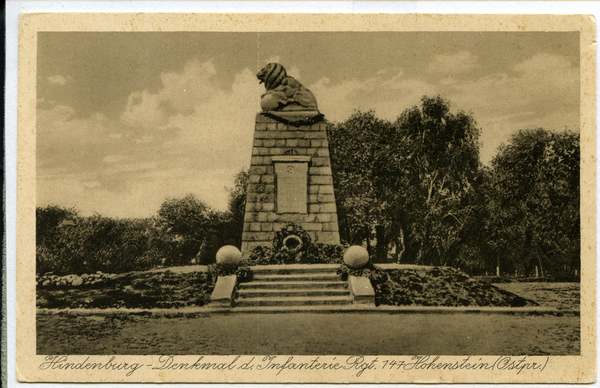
(272, 75)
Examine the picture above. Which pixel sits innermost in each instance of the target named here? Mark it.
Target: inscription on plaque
(292, 179)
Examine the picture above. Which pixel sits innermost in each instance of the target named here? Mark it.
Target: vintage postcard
(306, 198)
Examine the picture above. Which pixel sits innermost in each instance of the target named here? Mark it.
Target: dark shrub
(326, 254)
(90, 244)
(261, 255)
(315, 253)
(242, 271)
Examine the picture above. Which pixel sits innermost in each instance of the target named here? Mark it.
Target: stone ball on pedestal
(269, 102)
(356, 257)
(229, 255)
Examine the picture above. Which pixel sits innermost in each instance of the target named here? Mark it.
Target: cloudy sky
(125, 120)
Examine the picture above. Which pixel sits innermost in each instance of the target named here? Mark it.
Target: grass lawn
(562, 296)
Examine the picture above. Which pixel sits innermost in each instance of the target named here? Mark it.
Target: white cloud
(543, 62)
(140, 198)
(143, 109)
(294, 72)
(335, 101)
(459, 63)
(219, 132)
(190, 88)
(214, 141)
(62, 137)
(542, 92)
(273, 59)
(498, 130)
(191, 136)
(389, 97)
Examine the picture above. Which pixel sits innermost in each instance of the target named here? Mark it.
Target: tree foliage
(442, 161)
(187, 227)
(365, 176)
(406, 183)
(90, 244)
(534, 201)
(48, 219)
(237, 208)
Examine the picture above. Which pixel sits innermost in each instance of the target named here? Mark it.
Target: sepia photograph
(285, 201)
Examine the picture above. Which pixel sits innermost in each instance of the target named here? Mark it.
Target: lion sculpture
(284, 93)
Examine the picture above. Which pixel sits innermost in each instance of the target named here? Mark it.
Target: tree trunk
(498, 266)
(201, 251)
(381, 247)
(419, 255)
(401, 240)
(540, 261)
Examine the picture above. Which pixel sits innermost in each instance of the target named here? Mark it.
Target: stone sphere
(356, 257)
(269, 102)
(229, 255)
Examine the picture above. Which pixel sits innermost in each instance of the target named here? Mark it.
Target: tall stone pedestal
(290, 181)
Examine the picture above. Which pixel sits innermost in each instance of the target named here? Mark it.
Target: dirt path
(307, 334)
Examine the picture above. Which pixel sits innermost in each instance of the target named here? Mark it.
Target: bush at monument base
(229, 255)
(356, 257)
(318, 253)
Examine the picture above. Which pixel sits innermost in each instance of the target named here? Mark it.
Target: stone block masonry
(290, 181)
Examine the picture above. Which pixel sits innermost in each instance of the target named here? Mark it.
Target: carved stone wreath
(292, 242)
(292, 238)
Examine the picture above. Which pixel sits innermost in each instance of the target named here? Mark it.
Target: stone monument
(290, 172)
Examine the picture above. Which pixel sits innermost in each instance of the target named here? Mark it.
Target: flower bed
(133, 290)
(439, 286)
(50, 280)
(241, 270)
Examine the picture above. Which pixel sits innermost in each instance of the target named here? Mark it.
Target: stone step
(301, 277)
(285, 269)
(293, 284)
(294, 301)
(312, 292)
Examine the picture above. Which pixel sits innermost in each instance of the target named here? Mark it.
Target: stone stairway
(294, 285)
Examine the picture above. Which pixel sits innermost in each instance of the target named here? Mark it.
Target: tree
(366, 176)
(534, 211)
(442, 158)
(237, 208)
(48, 219)
(50, 236)
(187, 224)
(71, 244)
(407, 183)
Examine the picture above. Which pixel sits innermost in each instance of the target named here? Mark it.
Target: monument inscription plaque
(291, 173)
